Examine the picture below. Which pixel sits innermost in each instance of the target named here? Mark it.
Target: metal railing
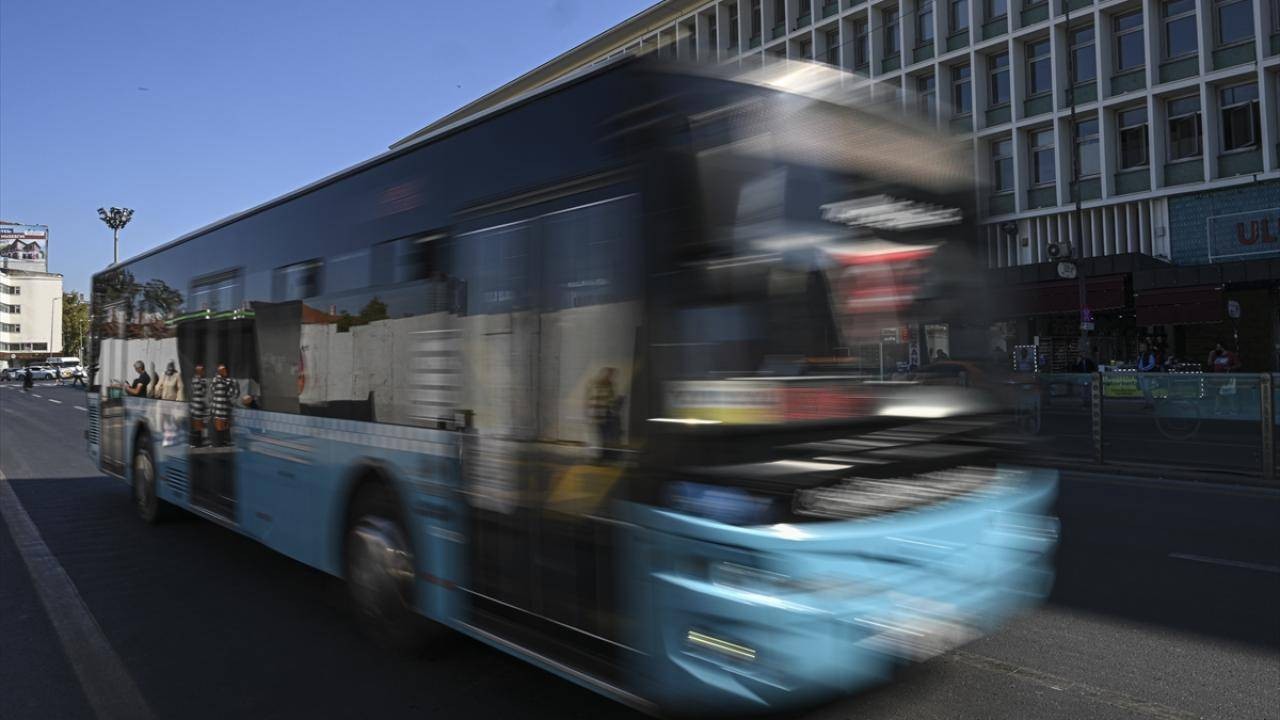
(1199, 422)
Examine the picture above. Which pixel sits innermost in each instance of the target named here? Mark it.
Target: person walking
(198, 407)
(1222, 360)
(77, 376)
(603, 401)
(27, 380)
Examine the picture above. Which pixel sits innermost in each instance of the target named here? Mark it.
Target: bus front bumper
(769, 618)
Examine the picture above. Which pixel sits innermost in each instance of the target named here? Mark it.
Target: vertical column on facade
(1153, 28)
(1102, 49)
(1204, 36)
(1097, 233)
(1145, 228)
(1017, 76)
(875, 39)
(1065, 159)
(1021, 170)
(1209, 129)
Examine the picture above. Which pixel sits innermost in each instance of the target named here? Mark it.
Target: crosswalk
(17, 387)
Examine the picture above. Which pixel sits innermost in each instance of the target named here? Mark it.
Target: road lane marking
(1227, 563)
(36, 395)
(55, 402)
(106, 684)
(1063, 684)
(80, 408)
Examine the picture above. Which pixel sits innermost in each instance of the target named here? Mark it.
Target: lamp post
(53, 302)
(115, 218)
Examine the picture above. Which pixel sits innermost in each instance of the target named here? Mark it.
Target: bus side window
(296, 282)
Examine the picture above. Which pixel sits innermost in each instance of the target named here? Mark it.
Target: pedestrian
(1146, 364)
(198, 407)
(602, 406)
(27, 380)
(169, 386)
(223, 393)
(1222, 360)
(138, 388)
(77, 376)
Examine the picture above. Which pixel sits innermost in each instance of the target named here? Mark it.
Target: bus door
(112, 375)
(550, 331)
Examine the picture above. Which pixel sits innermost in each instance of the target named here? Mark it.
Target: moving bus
(581, 378)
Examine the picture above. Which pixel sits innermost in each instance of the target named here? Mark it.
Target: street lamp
(52, 316)
(115, 218)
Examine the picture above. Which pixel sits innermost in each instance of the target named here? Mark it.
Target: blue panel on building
(1236, 223)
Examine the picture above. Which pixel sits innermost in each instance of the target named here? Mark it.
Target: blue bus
(588, 377)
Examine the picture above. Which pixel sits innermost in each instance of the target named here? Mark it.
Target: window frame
(757, 20)
(1171, 118)
(992, 71)
(928, 96)
(1167, 20)
(953, 20)
(1118, 35)
(958, 82)
(1079, 141)
(1046, 58)
(1074, 45)
(988, 12)
(890, 21)
(1255, 121)
(734, 20)
(924, 8)
(833, 47)
(1122, 129)
(996, 159)
(861, 42)
(1218, 42)
(1034, 151)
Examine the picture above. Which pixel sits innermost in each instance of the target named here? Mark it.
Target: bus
(586, 377)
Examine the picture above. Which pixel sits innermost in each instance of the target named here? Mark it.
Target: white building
(1174, 131)
(30, 296)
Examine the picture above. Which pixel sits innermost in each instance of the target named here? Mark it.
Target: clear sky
(190, 111)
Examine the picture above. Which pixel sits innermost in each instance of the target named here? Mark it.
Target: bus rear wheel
(380, 573)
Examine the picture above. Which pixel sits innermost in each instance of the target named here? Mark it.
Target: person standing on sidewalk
(1146, 364)
(198, 407)
(223, 393)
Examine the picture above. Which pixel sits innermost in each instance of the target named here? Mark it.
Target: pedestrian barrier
(1189, 421)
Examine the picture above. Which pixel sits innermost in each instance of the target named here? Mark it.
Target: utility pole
(1077, 248)
(115, 218)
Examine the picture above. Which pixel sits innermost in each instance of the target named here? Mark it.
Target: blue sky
(188, 112)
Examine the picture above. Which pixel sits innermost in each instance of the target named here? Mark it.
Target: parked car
(40, 372)
(8, 373)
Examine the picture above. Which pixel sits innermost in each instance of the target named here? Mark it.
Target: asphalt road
(1167, 605)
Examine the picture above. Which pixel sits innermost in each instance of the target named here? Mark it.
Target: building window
(999, 88)
(924, 23)
(805, 49)
(1084, 63)
(1042, 168)
(755, 20)
(10, 290)
(1234, 20)
(733, 26)
(1039, 68)
(1128, 32)
(1239, 107)
(833, 47)
(890, 32)
(11, 309)
(711, 32)
(1133, 137)
(861, 48)
(296, 282)
(958, 16)
(779, 14)
(995, 9)
(1088, 163)
(927, 89)
(961, 90)
(1179, 28)
(1184, 127)
(10, 327)
(1002, 166)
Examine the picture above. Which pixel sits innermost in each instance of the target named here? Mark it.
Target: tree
(75, 322)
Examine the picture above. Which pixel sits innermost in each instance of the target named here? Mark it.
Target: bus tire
(380, 571)
(146, 501)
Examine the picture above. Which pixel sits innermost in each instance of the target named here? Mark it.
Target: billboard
(1243, 235)
(24, 247)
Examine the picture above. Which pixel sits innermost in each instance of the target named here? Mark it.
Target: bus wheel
(145, 500)
(380, 573)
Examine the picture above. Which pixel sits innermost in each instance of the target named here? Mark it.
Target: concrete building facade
(1160, 116)
(30, 296)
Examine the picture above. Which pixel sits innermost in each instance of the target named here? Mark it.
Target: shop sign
(1243, 235)
(889, 335)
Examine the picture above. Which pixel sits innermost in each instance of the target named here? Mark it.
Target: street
(1165, 607)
